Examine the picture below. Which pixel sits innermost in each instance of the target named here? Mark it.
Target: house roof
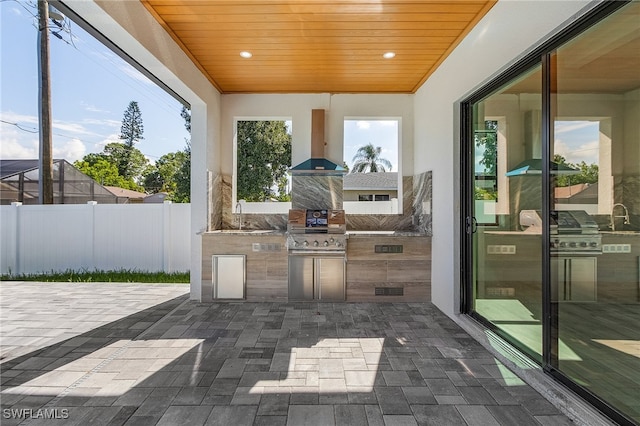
(126, 193)
(372, 181)
(570, 191)
(13, 167)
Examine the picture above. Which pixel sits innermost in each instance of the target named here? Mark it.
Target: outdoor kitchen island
(381, 266)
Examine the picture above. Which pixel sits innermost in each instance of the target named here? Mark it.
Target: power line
(35, 130)
(131, 82)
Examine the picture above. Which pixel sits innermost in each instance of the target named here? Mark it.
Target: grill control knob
(338, 244)
(583, 244)
(326, 243)
(316, 243)
(593, 244)
(331, 240)
(306, 243)
(296, 244)
(572, 244)
(563, 244)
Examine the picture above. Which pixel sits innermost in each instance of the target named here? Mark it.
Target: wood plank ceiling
(318, 46)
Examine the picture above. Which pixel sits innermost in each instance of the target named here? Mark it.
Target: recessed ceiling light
(246, 54)
(389, 55)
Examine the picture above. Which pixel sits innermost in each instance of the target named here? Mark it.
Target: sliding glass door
(551, 172)
(507, 261)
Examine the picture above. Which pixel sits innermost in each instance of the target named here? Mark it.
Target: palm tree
(367, 159)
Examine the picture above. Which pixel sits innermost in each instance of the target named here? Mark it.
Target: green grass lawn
(121, 276)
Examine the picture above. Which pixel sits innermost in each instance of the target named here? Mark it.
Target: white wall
(129, 25)
(144, 237)
(508, 31)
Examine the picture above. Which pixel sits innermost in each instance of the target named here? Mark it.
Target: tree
(136, 163)
(130, 133)
(102, 170)
(162, 177)
(103, 167)
(588, 173)
(367, 159)
(183, 175)
(487, 139)
(264, 157)
(183, 178)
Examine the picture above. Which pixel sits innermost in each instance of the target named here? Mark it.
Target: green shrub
(119, 276)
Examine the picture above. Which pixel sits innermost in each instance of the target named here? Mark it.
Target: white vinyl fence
(143, 237)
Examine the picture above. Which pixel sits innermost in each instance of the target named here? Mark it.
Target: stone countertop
(255, 232)
(252, 232)
(386, 234)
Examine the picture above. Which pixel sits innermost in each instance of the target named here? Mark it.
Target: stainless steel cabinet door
(576, 278)
(329, 273)
(301, 278)
(228, 276)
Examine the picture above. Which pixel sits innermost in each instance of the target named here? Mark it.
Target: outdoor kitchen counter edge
(256, 232)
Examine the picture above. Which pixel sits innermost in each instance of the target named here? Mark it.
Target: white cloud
(92, 108)
(74, 128)
(363, 125)
(134, 74)
(587, 152)
(570, 126)
(17, 144)
(102, 122)
(26, 120)
(71, 150)
(13, 150)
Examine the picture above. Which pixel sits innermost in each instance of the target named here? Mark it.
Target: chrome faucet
(239, 211)
(613, 216)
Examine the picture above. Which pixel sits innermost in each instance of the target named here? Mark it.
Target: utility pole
(45, 159)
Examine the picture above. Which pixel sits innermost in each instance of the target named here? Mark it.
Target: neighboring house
(19, 182)
(130, 196)
(581, 193)
(370, 186)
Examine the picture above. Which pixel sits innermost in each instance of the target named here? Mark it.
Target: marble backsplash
(417, 192)
(229, 219)
(422, 202)
(630, 198)
(215, 200)
(316, 191)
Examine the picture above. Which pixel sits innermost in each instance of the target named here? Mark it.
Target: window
(263, 158)
(371, 147)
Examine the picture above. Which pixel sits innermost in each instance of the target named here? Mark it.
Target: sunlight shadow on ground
(330, 366)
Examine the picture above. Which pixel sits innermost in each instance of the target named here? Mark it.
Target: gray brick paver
(257, 363)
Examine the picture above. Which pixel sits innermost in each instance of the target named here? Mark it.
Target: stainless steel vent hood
(534, 167)
(317, 163)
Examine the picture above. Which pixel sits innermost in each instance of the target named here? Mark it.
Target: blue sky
(382, 133)
(91, 89)
(578, 141)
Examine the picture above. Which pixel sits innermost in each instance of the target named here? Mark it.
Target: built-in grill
(571, 231)
(575, 232)
(321, 230)
(316, 244)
